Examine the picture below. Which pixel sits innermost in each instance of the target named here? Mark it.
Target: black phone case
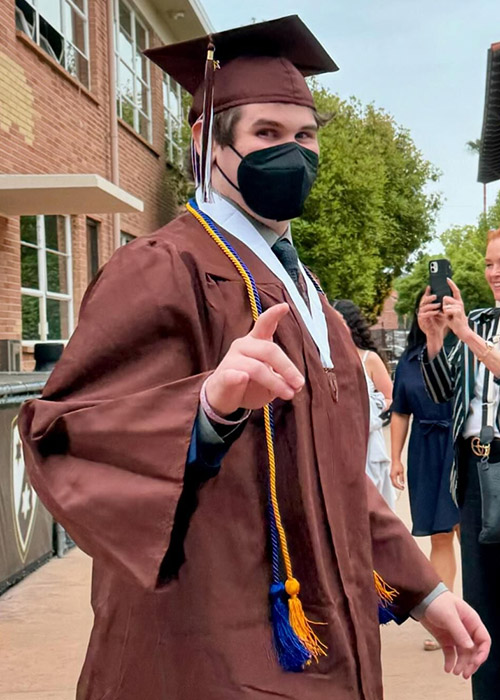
(437, 279)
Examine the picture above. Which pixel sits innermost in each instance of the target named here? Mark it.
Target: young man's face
(262, 126)
(271, 124)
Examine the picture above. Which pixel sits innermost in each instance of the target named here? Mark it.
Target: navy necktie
(287, 255)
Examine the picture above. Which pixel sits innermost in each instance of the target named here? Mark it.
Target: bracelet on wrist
(233, 419)
(488, 347)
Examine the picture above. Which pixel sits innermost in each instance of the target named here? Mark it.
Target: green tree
(410, 285)
(465, 247)
(178, 176)
(474, 146)
(369, 209)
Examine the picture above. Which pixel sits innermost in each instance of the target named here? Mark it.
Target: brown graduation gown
(106, 449)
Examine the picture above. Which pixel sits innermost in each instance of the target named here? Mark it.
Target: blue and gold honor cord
(295, 641)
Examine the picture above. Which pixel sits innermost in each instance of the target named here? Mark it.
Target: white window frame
(174, 149)
(42, 293)
(126, 238)
(63, 60)
(135, 17)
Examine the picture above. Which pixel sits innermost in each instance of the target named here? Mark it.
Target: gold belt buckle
(479, 449)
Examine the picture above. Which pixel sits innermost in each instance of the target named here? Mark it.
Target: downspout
(113, 118)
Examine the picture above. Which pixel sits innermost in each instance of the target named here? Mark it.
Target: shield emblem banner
(24, 498)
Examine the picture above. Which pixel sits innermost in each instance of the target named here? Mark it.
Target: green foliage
(474, 146)
(178, 176)
(369, 208)
(465, 247)
(410, 285)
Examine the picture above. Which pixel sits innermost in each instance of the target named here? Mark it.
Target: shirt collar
(414, 352)
(270, 236)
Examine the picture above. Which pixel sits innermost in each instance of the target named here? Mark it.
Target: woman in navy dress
(430, 456)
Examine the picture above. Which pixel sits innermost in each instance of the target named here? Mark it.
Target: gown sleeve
(397, 557)
(106, 446)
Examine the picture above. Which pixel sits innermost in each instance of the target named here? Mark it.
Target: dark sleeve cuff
(210, 443)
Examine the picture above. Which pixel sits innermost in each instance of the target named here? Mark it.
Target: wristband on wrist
(212, 415)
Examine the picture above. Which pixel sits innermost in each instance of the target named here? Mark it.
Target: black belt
(494, 448)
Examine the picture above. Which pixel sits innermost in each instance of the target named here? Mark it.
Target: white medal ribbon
(234, 222)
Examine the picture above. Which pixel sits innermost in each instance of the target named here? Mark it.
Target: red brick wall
(388, 319)
(10, 275)
(49, 123)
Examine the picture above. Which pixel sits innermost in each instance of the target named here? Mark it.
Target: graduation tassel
(296, 615)
(195, 164)
(300, 624)
(292, 654)
(386, 595)
(206, 130)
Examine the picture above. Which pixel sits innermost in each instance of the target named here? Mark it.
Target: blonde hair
(493, 234)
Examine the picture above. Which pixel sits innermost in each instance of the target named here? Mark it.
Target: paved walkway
(45, 623)
(409, 672)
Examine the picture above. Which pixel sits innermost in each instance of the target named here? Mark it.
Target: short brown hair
(224, 125)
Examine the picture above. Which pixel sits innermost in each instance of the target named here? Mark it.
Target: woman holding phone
(470, 376)
(430, 456)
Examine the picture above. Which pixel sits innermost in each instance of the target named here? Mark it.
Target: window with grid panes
(172, 107)
(132, 69)
(46, 283)
(60, 28)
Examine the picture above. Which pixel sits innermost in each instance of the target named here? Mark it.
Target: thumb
(265, 326)
(225, 390)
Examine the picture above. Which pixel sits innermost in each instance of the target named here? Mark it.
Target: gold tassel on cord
(299, 622)
(386, 593)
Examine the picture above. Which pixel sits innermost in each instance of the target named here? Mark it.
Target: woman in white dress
(379, 384)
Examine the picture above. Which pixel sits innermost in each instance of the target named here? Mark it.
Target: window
(92, 248)
(132, 70)
(126, 238)
(172, 106)
(60, 28)
(46, 285)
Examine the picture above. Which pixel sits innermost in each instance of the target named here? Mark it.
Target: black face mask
(275, 182)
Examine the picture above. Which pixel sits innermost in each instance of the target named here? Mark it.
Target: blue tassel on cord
(385, 615)
(292, 654)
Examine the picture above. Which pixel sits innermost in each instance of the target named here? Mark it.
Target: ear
(196, 134)
(196, 131)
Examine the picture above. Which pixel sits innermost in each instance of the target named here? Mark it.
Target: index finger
(482, 640)
(427, 296)
(265, 326)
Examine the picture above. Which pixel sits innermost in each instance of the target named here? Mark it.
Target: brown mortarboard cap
(264, 62)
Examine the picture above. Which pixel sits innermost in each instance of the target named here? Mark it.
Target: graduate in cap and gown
(203, 437)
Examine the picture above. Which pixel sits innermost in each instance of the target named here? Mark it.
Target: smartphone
(439, 271)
